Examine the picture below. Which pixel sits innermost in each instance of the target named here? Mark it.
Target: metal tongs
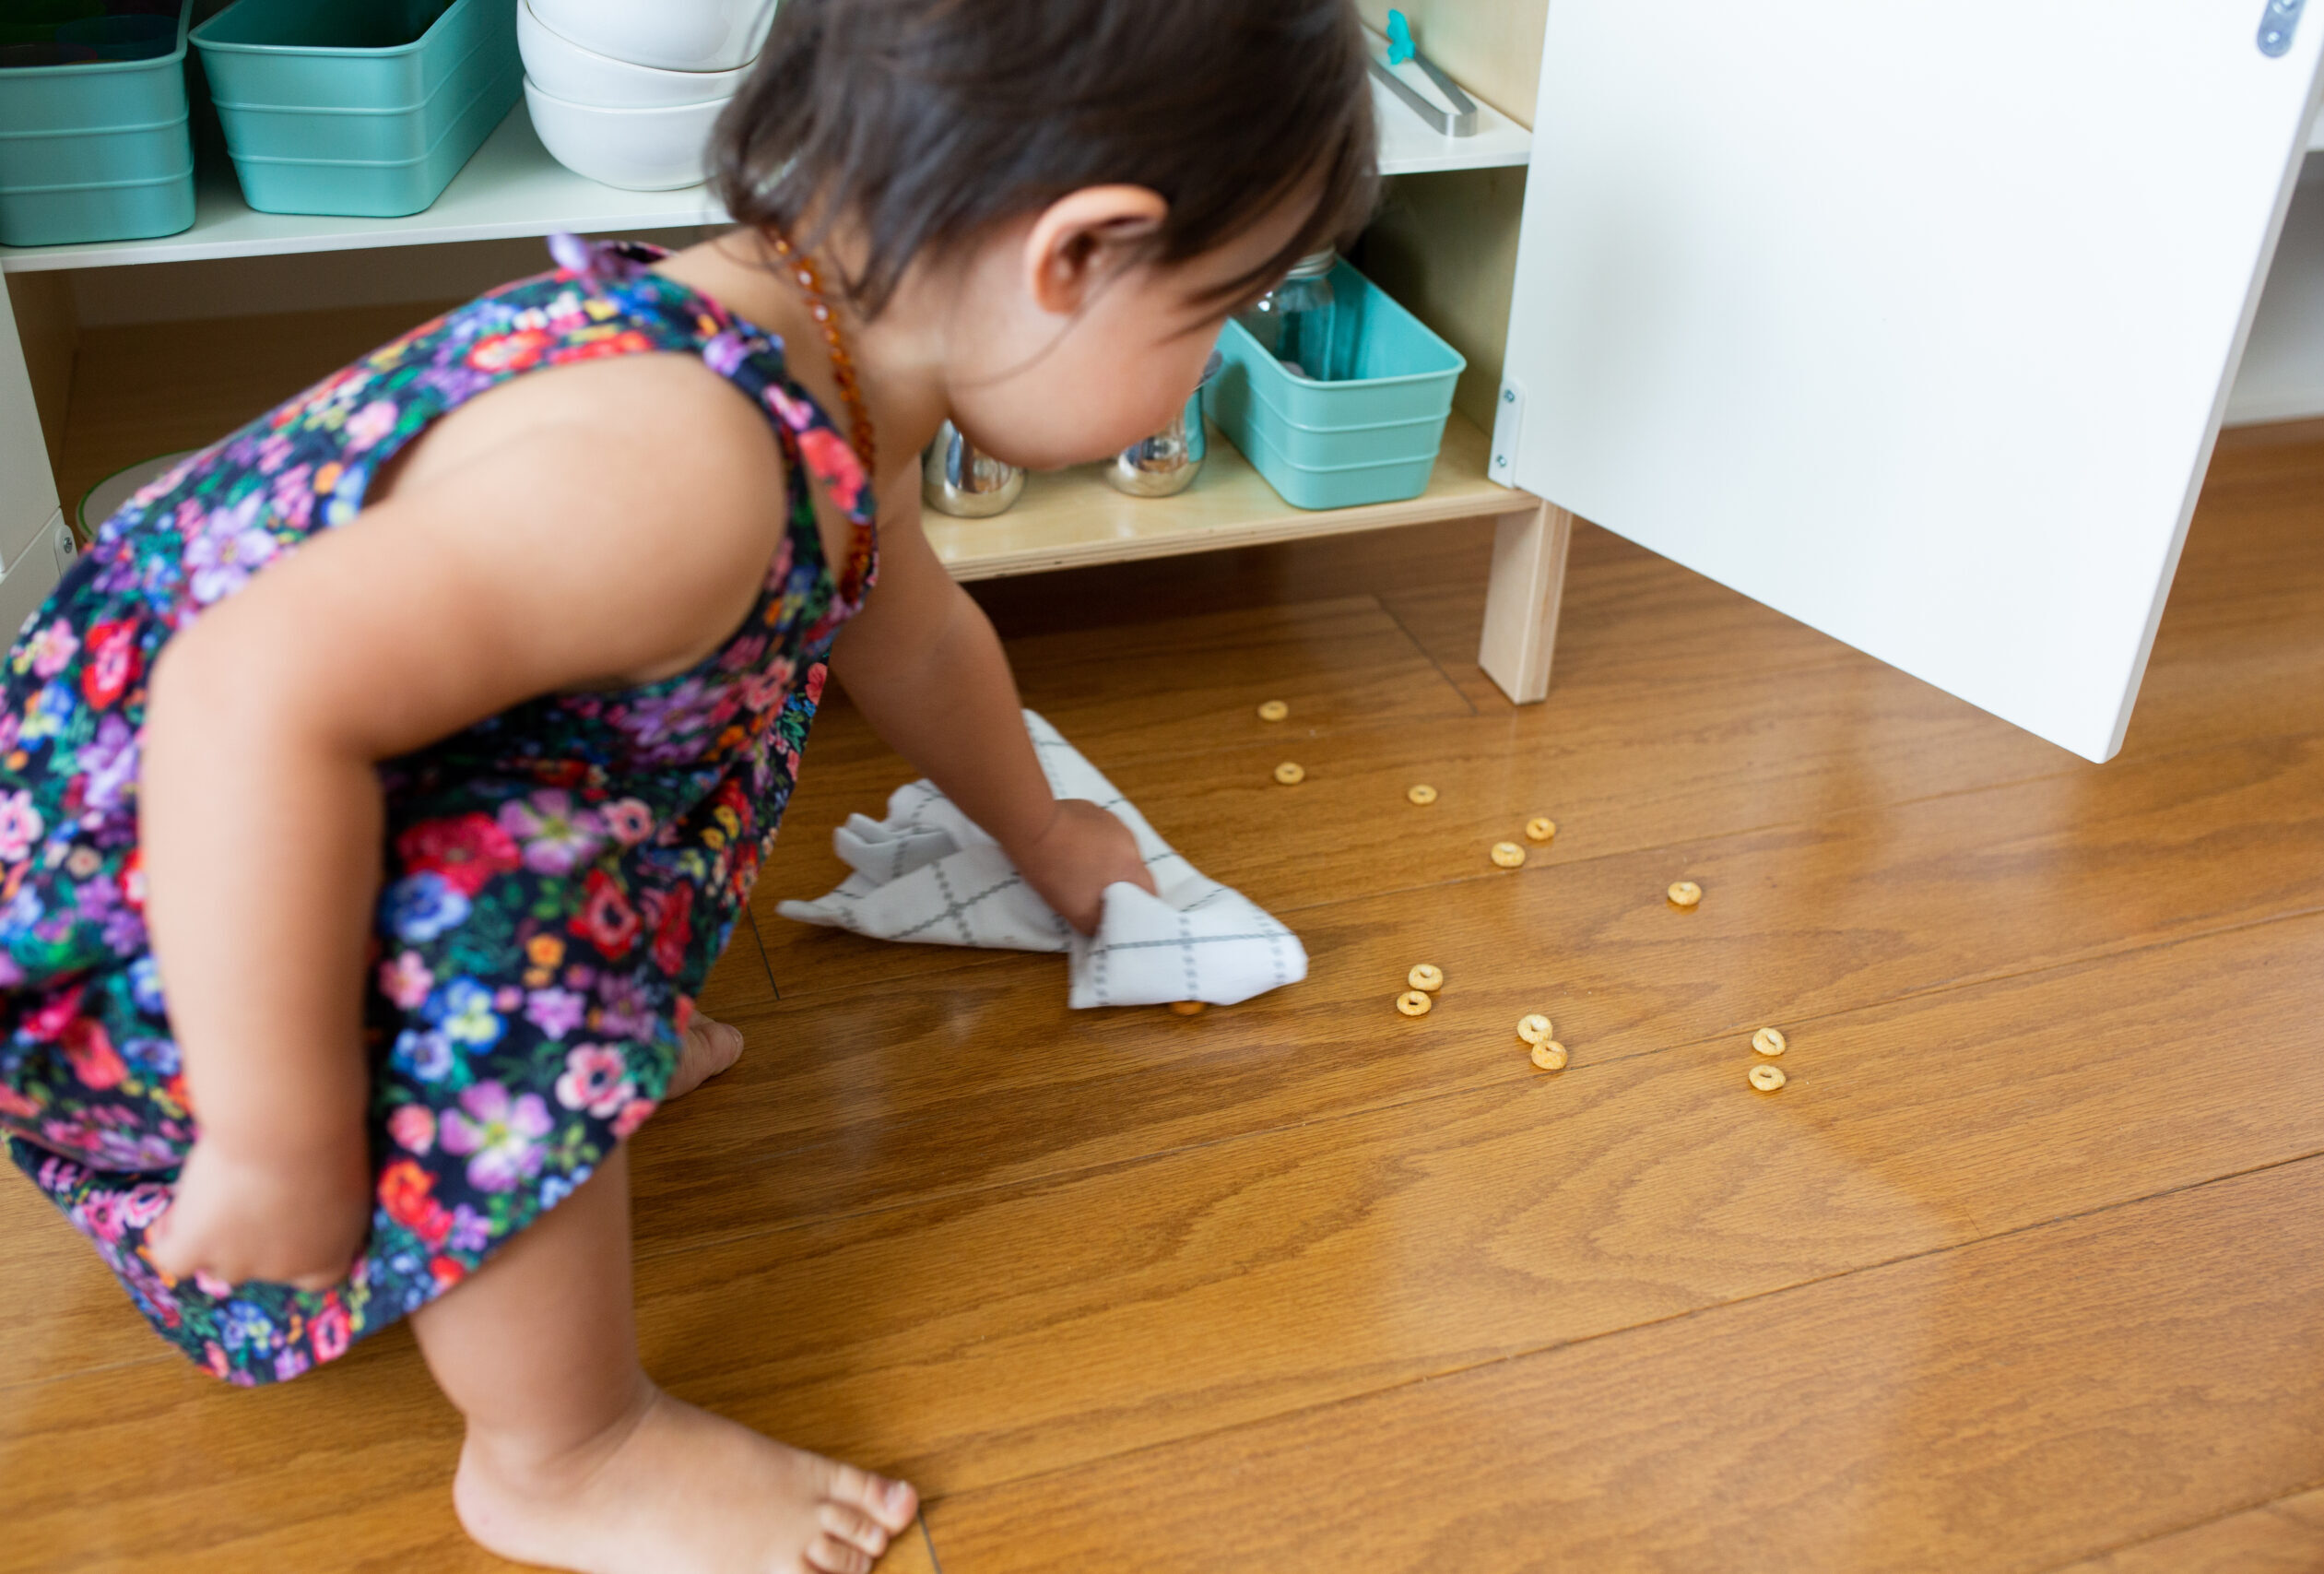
(1459, 121)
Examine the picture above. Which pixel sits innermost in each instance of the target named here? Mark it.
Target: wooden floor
(2020, 1272)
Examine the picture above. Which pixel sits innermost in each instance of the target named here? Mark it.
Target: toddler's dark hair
(928, 121)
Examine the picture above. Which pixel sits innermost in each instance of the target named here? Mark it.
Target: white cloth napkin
(927, 874)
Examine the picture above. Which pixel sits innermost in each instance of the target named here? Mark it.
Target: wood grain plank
(2241, 646)
(911, 1553)
(165, 1471)
(1993, 1407)
(1150, 690)
(65, 1311)
(740, 982)
(2282, 1537)
(1033, 1328)
(973, 1071)
(999, 1333)
(1754, 721)
(1723, 757)
(2240, 650)
(936, 1223)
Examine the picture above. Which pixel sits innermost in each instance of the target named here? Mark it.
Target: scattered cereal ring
(1767, 1079)
(1534, 1028)
(1187, 1008)
(1289, 775)
(1539, 829)
(1274, 710)
(1413, 1002)
(1770, 1041)
(1508, 855)
(1427, 976)
(1422, 795)
(1685, 893)
(1550, 1057)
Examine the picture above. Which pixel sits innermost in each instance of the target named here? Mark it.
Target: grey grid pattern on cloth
(927, 874)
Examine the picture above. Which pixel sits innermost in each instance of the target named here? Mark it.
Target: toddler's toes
(891, 1505)
(845, 1524)
(709, 1048)
(829, 1554)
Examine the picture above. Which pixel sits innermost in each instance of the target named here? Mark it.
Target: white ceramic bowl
(565, 70)
(676, 35)
(637, 149)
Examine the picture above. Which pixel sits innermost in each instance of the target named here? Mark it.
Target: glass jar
(1294, 322)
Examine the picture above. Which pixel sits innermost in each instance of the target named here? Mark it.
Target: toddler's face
(1065, 381)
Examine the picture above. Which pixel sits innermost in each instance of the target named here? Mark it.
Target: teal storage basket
(99, 150)
(361, 108)
(1370, 437)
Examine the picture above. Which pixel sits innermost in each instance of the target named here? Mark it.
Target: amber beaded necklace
(811, 283)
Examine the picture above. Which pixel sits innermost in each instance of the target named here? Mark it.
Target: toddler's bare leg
(575, 1460)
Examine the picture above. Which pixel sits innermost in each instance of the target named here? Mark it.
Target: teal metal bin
(1371, 436)
(363, 108)
(99, 146)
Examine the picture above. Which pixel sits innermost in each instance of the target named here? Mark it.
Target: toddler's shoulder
(597, 444)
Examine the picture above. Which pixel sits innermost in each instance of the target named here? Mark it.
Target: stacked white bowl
(626, 93)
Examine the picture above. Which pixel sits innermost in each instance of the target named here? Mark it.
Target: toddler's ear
(1082, 239)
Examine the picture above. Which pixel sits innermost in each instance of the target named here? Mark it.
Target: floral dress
(557, 878)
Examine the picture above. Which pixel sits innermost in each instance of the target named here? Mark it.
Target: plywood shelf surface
(1073, 518)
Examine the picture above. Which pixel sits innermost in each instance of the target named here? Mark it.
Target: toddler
(376, 793)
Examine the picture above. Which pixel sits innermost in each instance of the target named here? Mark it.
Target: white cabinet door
(1912, 320)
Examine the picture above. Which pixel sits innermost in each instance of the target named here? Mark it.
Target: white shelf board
(1411, 147)
(511, 188)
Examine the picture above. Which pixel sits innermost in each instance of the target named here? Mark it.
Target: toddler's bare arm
(603, 524)
(924, 664)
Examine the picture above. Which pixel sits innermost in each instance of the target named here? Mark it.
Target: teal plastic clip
(1400, 47)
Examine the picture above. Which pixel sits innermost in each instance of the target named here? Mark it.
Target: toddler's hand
(239, 1216)
(1083, 850)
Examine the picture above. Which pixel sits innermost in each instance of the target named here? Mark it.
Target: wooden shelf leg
(1521, 604)
(30, 515)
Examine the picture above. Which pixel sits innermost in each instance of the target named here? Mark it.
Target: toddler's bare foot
(676, 1490)
(709, 1048)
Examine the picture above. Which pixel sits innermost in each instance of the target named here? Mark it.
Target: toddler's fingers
(160, 1234)
(168, 1251)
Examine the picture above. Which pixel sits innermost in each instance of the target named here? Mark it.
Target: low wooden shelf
(1072, 518)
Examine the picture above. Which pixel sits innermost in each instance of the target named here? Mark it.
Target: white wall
(2282, 375)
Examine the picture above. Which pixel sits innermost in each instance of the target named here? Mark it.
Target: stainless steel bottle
(958, 479)
(1167, 462)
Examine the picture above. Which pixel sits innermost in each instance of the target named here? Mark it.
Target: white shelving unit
(1409, 148)
(513, 189)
